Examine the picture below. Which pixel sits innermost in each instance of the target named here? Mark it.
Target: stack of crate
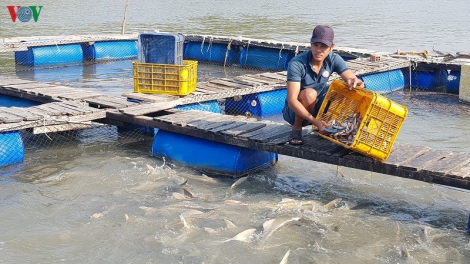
(160, 68)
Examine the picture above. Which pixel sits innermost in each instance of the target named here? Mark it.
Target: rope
(202, 43)
(280, 55)
(229, 46)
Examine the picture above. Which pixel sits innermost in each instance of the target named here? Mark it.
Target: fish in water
(238, 182)
(243, 236)
(179, 196)
(151, 169)
(270, 226)
(331, 205)
(286, 256)
(229, 224)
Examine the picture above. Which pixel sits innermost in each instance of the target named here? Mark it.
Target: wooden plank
(419, 162)
(274, 76)
(260, 79)
(230, 83)
(462, 172)
(9, 118)
(183, 119)
(214, 122)
(246, 81)
(269, 126)
(61, 127)
(227, 126)
(22, 112)
(219, 87)
(446, 164)
(204, 119)
(275, 132)
(51, 110)
(143, 109)
(5, 81)
(213, 88)
(155, 98)
(403, 153)
(284, 137)
(178, 118)
(26, 86)
(109, 102)
(248, 127)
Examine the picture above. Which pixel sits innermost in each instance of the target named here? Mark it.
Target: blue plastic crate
(161, 48)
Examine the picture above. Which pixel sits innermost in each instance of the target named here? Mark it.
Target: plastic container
(429, 81)
(209, 106)
(110, 50)
(265, 58)
(384, 82)
(214, 52)
(381, 118)
(165, 78)
(50, 55)
(162, 48)
(211, 156)
(11, 148)
(260, 104)
(9, 101)
(453, 82)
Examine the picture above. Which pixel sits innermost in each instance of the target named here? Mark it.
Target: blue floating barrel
(265, 58)
(260, 104)
(50, 55)
(9, 101)
(429, 80)
(384, 82)
(209, 155)
(11, 148)
(453, 82)
(210, 106)
(110, 50)
(214, 52)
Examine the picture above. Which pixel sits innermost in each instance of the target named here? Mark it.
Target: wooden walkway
(66, 108)
(413, 162)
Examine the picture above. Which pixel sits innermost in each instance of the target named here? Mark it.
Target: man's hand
(354, 82)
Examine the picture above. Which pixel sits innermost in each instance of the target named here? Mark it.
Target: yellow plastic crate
(381, 118)
(165, 78)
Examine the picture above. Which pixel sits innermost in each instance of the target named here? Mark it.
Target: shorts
(289, 115)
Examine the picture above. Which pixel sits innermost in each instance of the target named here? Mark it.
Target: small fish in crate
(346, 131)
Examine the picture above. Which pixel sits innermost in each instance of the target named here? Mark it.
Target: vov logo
(24, 13)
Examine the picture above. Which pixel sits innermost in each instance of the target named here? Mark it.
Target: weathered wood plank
(462, 172)
(419, 162)
(150, 108)
(6, 117)
(248, 127)
(276, 131)
(447, 163)
(403, 153)
(21, 112)
(4, 81)
(227, 126)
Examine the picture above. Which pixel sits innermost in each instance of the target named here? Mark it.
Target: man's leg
(307, 98)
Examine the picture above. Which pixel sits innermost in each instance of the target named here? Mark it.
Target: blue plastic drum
(211, 156)
(11, 148)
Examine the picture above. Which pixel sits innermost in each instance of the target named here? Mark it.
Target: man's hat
(323, 34)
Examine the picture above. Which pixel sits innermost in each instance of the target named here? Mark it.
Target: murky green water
(95, 200)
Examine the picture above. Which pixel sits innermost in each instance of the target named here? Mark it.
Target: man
(307, 76)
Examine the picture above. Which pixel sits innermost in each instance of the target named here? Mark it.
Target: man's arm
(350, 78)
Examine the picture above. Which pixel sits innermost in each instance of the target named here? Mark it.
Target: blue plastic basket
(160, 48)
